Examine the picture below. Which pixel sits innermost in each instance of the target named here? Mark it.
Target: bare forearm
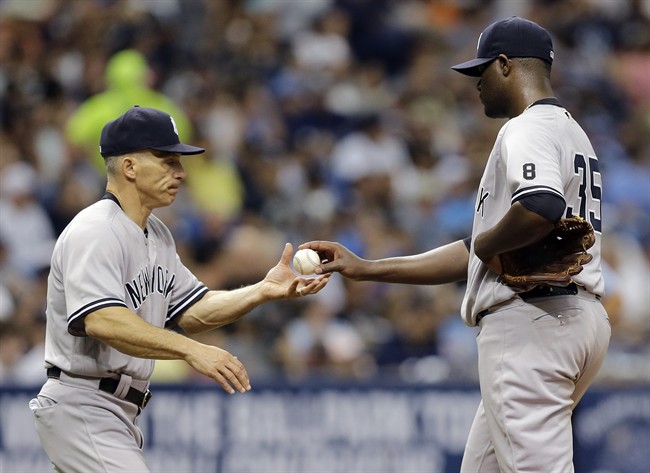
(128, 333)
(218, 308)
(442, 265)
(518, 228)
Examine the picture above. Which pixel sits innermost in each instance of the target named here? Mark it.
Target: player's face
(159, 177)
(491, 90)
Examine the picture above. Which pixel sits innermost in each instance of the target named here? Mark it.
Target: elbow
(188, 325)
(95, 326)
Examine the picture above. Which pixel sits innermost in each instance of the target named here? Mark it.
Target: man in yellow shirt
(126, 85)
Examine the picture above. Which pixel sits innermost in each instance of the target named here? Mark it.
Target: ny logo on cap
(174, 125)
(478, 44)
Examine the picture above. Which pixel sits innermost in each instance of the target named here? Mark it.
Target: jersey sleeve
(92, 275)
(187, 291)
(532, 161)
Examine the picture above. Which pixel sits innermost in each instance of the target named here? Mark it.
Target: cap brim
(180, 148)
(471, 67)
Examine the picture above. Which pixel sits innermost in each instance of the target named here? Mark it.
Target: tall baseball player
(116, 284)
(540, 345)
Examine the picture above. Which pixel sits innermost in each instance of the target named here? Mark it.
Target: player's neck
(531, 90)
(131, 204)
(527, 98)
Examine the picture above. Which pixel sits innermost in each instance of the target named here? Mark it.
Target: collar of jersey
(546, 101)
(111, 196)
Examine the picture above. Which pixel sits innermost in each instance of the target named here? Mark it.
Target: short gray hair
(111, 164)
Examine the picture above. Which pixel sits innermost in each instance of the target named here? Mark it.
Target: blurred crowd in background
(322, 119)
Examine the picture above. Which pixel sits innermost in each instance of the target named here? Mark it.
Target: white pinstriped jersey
(543, 150)
(103, 259)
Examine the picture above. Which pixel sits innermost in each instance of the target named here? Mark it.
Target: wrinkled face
(492, 87)
(157, 177)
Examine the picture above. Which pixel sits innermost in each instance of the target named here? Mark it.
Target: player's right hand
(221, 366)
(337, 258)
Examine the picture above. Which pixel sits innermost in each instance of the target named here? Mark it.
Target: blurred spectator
(127, 84)
(7, 305)
(25, 228)
(320, 344)
(13, 346)
(30, 321)
(12, 286)
(415, 320)
(366, 162)
(628, 282)
(322, 51)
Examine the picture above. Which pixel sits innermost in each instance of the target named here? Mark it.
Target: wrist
(263, 291)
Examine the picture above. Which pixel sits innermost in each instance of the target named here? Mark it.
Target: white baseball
(305, 261)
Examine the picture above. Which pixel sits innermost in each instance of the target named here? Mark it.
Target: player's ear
(504, 64)
(128, 167)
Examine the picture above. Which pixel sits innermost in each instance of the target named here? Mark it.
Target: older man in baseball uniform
(115, 287)
(540, 349)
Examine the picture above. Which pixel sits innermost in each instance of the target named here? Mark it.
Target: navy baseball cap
(142, 128)
(514, 37)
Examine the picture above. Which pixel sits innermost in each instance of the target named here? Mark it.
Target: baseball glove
(553, 260)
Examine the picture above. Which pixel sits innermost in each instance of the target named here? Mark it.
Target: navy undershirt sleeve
(549, 206)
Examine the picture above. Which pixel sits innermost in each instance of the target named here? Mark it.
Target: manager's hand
(221, 366)
(282, 283)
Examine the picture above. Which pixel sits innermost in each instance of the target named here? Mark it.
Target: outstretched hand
(337, 258)
(282, 283)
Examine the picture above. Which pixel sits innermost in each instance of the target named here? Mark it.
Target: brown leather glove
(553, 260)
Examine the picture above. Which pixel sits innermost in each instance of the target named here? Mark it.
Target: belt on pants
(539, 292)
(110, 385)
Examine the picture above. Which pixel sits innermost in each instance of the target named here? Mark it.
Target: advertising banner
(333, 429)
